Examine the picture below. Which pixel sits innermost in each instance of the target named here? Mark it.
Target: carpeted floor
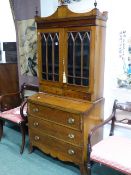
(98, 169)
(36, 163)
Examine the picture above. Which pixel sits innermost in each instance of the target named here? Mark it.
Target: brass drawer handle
(71, 136)
(71, 151)
(71, 120)
(36, 124)
(37, 138)
(35, 110)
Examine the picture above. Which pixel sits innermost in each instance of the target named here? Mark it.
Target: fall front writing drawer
(62, 117)
(56, 130)
(55, 147)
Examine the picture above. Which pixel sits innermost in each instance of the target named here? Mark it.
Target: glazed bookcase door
(50, 57)
(77, 59)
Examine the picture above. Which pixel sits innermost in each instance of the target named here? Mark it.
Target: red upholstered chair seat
(13, 108)
(111, 152)
(14, 114)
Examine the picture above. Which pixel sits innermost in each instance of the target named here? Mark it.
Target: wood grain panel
(64, 118)
(56, 130)
(55, 147)
(9, 81)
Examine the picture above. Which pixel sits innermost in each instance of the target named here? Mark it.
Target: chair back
(122, 112)
(28, 90)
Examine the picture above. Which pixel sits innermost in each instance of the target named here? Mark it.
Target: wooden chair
(13, 108)
(114, 151)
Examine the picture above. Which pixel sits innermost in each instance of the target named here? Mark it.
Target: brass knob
(37, 138)
(71, 136)
(71, 151)
(36, 124)
(35, 110)
(71, 120)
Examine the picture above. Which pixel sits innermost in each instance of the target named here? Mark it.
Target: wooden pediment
(63, 17)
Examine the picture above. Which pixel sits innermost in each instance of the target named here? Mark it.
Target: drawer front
(58, 116)
(55, 147)
(61, 132)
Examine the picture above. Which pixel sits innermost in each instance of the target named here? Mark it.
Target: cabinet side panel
(99, 63)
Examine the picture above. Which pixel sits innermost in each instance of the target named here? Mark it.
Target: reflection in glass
(78, 58)
(50, 56)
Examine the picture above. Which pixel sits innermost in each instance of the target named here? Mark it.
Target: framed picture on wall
(27, 41)
(124, 78)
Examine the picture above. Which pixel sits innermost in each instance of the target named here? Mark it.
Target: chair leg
(31, 148)
(89, 164)
(22, 128)
(88, 168)
(1, 129)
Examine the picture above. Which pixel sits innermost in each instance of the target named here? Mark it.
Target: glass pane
(43, 42)
(78, 81)
(56, 54)
(49, 52)
(85, 82)
(70, 80)
(56, 78)
(50, 56)
(70, 54)
(78, 45)
(78, 58)
(86, 49)
(44, 76)
(50, 77)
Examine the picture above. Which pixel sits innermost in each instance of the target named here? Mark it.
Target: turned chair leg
(22, 128)
(1, 129)
(89, 171)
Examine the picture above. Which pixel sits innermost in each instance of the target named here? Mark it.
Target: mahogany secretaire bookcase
(71, 50)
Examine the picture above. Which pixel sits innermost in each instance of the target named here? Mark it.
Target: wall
(6, 35)
(25, 9)
(117, 21)
(52, 6)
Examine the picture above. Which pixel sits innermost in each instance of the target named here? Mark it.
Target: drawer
(55, 147)
(58, 116)
(58, 131)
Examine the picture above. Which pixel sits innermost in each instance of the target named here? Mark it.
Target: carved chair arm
(6, 101)
(30, 87)
(92, 132)
(23, 110)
